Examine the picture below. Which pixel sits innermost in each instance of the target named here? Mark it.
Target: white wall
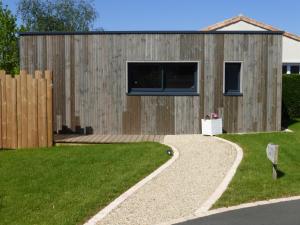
(290, 47)
(241, 25)
(290, 51)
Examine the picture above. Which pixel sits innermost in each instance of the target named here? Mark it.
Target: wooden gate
(26, 110)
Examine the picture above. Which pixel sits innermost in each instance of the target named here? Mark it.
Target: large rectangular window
(232, 78)
(162, 78)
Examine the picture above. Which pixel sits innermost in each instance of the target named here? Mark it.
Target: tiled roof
(239, 18)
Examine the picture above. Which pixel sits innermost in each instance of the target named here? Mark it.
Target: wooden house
(160, 82)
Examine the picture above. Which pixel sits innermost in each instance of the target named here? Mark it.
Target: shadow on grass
(292, 121)
(280, 173)
(287, 123)
(286, 119)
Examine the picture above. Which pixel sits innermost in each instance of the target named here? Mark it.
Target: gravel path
(181, 189)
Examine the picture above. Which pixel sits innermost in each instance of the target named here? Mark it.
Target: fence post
(32, 112)
(42, 112)
(14, 138)
(9, 106)
(19, 111)
(3, 109)
(31, 118)
(35, 113)
(48, 76)
(24, 108)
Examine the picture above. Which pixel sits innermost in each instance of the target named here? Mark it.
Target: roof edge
(146, 32)
(251, 21)
(292, 36)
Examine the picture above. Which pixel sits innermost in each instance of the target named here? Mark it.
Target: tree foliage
(9, 53)
(57, 15)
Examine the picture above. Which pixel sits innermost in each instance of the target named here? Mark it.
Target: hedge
(291, 95)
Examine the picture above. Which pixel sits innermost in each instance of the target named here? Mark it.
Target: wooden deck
(101, 139)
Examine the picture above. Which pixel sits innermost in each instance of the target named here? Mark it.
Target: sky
(189, 14)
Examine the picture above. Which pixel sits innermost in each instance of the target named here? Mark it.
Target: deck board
(98, 139)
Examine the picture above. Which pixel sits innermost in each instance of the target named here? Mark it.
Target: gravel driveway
(181, 189)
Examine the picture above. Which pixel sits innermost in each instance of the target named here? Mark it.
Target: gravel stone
(182, 188)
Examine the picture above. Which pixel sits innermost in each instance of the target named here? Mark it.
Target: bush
(9, 53)
(291, 95)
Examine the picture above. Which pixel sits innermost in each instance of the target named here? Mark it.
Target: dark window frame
(233, 93)
(164, 91)
(284, 69)
(292, 66)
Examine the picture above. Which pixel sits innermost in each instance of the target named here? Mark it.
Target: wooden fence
(26, 110)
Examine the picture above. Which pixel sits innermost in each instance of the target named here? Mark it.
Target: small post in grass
(272, 154)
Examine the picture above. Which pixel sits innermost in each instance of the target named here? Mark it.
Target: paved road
(285, 213)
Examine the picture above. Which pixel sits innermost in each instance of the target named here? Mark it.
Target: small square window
(232, 78)
(294, 69)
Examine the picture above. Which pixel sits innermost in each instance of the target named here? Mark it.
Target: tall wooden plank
(42, 112)
(209, 65)
(24, 116)
(14, 122)
(73, 94)
(40, 55)
(31, 96)
(34, 112)
(19, 111)
(264, 83)
(4, 112)
(67, 86)
(133, 114)
(2, 76)
(218, 72)
(9, 118)
(279, 83)
(23, 52)
(41, 137)
(48, 76)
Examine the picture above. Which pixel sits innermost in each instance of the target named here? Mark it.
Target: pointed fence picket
(26, 110)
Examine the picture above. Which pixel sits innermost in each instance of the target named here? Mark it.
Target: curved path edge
(203, 210)
(114, 204)
(224, 184)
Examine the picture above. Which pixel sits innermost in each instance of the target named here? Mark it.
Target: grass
(253, 180)
(68, 184)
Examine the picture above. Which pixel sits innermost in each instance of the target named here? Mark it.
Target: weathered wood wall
(26, 110)
(90, 81)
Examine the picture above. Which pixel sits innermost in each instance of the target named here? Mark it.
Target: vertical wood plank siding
(89, 76)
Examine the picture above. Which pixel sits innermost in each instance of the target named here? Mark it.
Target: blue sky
(190, 14)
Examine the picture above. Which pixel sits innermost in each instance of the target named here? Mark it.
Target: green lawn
(253, 180)
(67, 185)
